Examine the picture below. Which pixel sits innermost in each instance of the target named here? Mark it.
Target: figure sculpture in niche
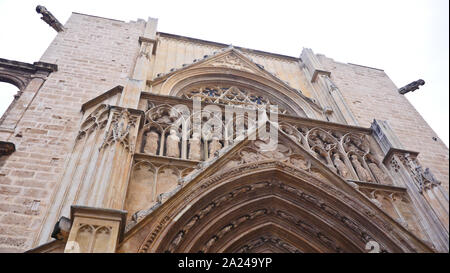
(362, 173)
(343, 171)
(381, 176)
(195, 147)
(151, 143)
(173, 148)
(214, 146)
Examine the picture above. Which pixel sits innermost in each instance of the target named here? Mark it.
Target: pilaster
(426, 194)
(138, 80)
(99, 165)
(328, 93)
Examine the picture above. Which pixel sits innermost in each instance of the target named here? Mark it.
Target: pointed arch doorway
(262, 207)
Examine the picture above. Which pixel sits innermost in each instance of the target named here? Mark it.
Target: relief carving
(232, 61)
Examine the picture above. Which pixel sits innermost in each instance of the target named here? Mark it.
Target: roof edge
(247, 50)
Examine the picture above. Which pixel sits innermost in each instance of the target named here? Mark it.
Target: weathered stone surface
(64, 156)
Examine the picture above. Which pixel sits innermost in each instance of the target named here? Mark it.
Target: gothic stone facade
(93, 159)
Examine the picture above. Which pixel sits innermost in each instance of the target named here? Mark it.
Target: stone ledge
(393, 151)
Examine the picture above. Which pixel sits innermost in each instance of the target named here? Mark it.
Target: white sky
(408, 39)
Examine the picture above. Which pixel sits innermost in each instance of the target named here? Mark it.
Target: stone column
(95, 230)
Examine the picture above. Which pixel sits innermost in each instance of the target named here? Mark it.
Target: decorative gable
(233, 60)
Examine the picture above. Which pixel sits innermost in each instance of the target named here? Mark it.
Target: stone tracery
(232, 95)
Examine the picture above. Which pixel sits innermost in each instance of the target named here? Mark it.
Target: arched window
(232, 95)
(7, 95)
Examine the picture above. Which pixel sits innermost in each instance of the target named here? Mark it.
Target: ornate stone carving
(363, 174)
(232, 95)
(422, 178)
(268, 240)
(233, 225)
(355, 144)
(96, 120)
(300, 162)
(411, 87)
(214, 146)
(232, 61)
(48, 17)
(341, 167)
(122, 122)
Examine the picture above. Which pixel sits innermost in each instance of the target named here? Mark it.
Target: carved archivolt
(288, 156)
(268, 239)
(287, 189)
(228, 197)
(262, 87)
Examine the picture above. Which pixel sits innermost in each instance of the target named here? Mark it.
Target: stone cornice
(393, 151)
(101, 213)
(27, 67)
(379, 186)
(150, 41)
(166, 160)
(47, 247)
(101, 97)
(211, 43)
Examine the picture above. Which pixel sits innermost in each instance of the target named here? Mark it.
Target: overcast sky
(408, 39)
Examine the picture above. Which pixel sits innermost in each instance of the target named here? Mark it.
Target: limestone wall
(96, 54)
(173, 52)
(93, 55)
(370, 93)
